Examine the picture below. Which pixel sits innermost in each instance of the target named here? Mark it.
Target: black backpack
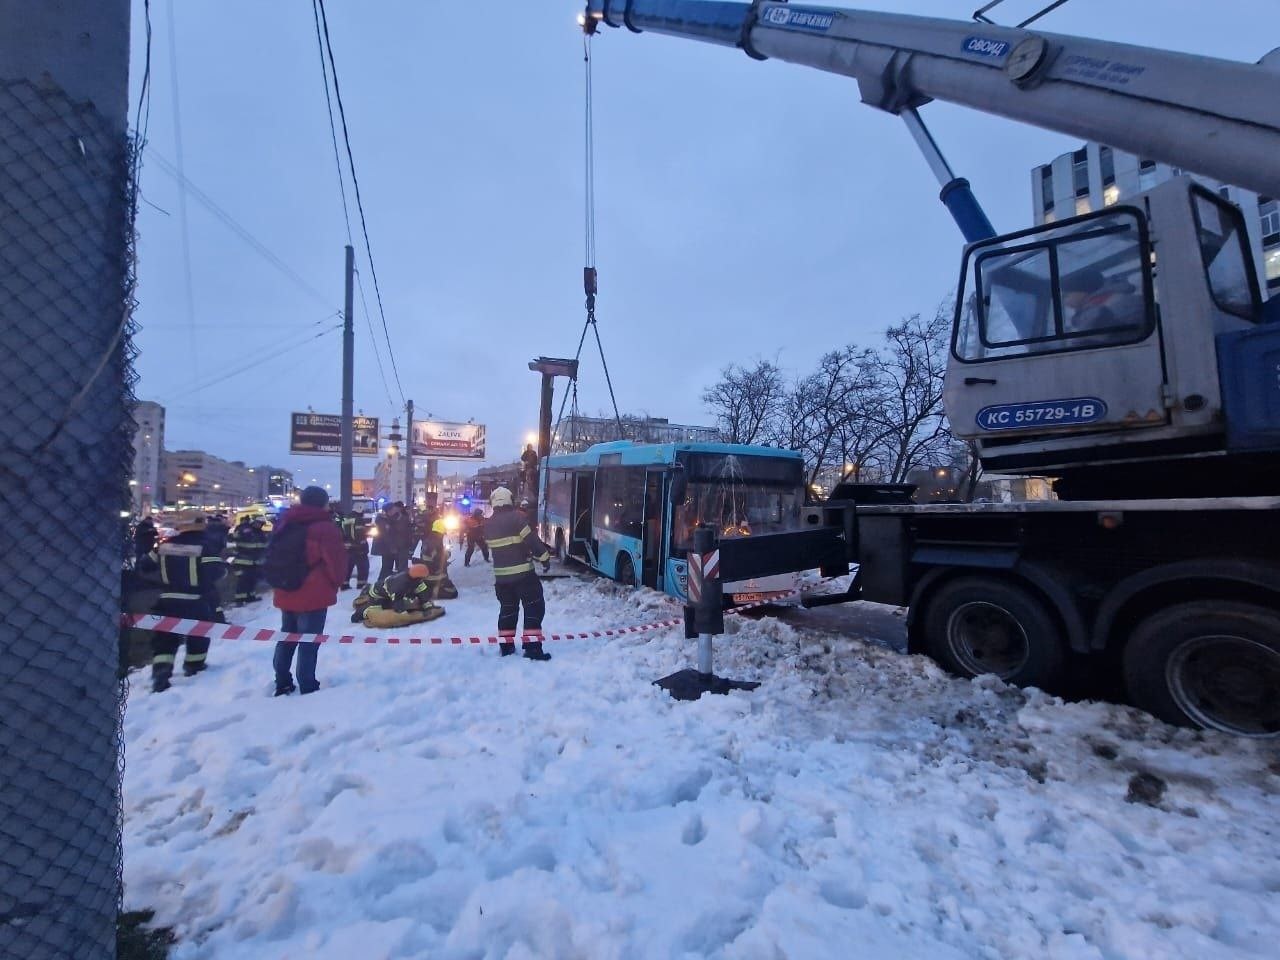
(285, 565)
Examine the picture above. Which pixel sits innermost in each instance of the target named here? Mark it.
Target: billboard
(439, 440)
(321, 434)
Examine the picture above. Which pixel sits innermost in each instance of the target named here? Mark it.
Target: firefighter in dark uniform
(249, 546)
(475, 537)
(436, 557)
(515, 548)
(355, 534)
(216, 533)
(189, 573)
(400, 600)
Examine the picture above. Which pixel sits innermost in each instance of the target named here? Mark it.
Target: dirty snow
(443, 802)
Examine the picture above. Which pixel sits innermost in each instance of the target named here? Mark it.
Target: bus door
(581, 543)
(654, 525)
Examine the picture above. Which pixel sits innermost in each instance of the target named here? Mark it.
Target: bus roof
(637, 454)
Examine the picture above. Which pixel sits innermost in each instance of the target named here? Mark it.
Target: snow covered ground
(443, 802)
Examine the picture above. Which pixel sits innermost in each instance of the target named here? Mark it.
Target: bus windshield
(738, 496)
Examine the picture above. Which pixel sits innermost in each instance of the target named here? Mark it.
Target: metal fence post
(65, 306)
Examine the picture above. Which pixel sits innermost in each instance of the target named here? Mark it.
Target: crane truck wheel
(1212, 664)
(980, 625)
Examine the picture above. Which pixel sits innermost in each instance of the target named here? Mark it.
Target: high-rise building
(272, 481)
(1097, 176)
(197, 479)
(146, 485)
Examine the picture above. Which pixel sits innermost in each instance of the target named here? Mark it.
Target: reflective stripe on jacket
(188, 573)
(514, 547)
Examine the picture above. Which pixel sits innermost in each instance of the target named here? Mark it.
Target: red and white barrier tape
(232, 631)
(235, 631)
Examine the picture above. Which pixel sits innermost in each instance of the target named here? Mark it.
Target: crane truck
(1128, 353)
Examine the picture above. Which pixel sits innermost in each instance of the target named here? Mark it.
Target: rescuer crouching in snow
(400, 600)
(514, 548)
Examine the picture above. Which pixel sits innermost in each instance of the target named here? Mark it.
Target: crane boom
(1220, 118)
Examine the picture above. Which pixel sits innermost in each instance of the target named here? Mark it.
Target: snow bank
(445, 802)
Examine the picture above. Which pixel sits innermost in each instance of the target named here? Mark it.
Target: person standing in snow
(391, 543)
(515, 549)
(189, 573)
(475, 537)
(355, 534)
(217, 533)
(249, 542)
(303, 610)
(145, 538)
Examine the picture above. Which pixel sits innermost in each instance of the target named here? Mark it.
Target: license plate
(753, 597)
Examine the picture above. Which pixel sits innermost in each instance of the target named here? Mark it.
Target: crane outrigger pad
(691, 685)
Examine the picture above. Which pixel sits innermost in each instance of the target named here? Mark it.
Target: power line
(142, 117)
(373, 339)
(236, 227)
(355, 182)
(342, 188)
(261, 360)
(333, 131)
(184, 225)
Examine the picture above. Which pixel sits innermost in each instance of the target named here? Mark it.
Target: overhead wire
(373, 339)
(291, 338)
(237, 228)
(183, 223)
(342, 190)
(333, 131)
(355, 182)
(292, 345)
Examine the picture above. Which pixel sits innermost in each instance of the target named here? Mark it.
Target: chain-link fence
(65, 436)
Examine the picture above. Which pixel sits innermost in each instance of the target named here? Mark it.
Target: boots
(533, 651)
(507, 648)
(160, 674)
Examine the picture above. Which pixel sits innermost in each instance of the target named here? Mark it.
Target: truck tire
(981, 625)
(560, 551)
(627, 572)
(1211, 664)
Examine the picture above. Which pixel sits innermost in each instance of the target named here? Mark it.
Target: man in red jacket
(303, 610)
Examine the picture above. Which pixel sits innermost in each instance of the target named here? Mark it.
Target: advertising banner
(321, 434)
(439, 440)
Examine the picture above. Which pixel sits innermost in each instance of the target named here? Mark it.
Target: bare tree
(908, 376)
(832, 399)
(746, 400)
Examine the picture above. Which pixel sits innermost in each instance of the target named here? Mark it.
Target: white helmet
(501, 497)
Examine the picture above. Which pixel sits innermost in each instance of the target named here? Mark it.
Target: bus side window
(620, 500)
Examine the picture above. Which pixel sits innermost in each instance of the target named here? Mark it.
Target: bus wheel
(977, 625)
(626, 572)
(1212, 664)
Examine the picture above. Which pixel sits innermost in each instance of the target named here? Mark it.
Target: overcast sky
(744, 209)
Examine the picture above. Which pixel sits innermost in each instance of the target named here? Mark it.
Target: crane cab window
(1224, 248)
(1076, 285)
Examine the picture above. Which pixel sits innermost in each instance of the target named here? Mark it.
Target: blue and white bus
(628, 511)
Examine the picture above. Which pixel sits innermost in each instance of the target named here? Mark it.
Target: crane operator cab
(1122, 351)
